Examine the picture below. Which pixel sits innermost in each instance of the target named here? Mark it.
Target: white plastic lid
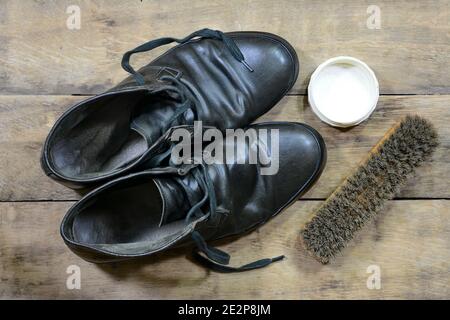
(343, 91)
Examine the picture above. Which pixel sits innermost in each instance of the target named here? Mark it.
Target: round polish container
(343, 91)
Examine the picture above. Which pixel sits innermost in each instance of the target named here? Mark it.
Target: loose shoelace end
(247, 66)
(279, 258)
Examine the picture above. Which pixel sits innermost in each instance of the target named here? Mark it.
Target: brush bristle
(364, 193)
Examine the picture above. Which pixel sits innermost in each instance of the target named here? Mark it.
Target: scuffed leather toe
(269, 54)
(302, 157)
(274, 61)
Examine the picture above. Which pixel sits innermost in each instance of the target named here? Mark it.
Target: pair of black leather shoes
(122, 140)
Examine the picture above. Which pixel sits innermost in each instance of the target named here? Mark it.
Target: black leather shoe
(225, 80)
(174, 205)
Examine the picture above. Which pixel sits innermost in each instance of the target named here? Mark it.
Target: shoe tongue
(178, 195)
(150, 116)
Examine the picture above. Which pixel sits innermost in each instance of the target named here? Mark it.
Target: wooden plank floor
(44, 67)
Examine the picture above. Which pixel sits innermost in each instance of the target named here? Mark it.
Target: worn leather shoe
(195, 202)
(226, 80)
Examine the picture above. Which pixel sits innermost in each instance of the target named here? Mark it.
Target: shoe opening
(125, 219)
(107, 133)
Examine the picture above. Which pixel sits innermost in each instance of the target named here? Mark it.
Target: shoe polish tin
(343, 91)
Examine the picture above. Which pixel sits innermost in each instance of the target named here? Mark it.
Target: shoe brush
(362, 195)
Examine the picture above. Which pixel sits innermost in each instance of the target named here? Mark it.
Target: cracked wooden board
(410, 53)
(26, 120)
(34, 260)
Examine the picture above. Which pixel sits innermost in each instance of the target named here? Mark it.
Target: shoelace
(213, 258)
(203, 33)
(188, 101)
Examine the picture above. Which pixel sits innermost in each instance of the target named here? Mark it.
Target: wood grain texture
(34, 260)
(42, 63)
(26, 120)
(40, 55)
